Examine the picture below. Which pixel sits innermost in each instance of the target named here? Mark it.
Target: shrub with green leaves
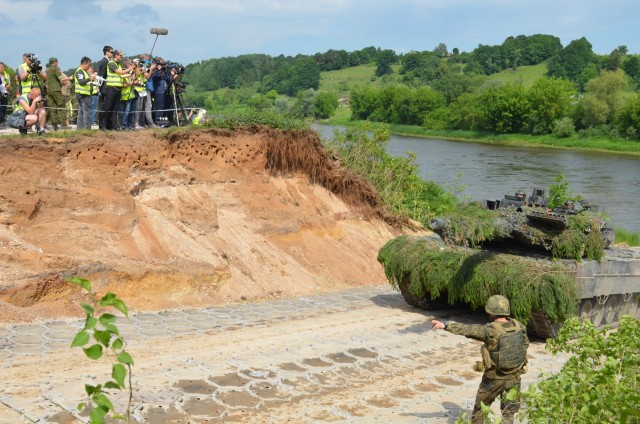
(396, 179)
(599, 383)
(103, 336)
(267, 118)
(564, 128)
(559, 192)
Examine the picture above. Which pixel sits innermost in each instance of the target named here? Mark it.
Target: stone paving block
(23, 404)
(9, 416)
(252, 380)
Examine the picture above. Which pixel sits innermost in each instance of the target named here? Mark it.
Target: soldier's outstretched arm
(472, 331)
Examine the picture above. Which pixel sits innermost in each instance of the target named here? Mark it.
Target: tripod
(35, 82)
(178, 105)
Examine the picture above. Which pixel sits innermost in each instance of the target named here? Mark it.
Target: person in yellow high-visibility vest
(84, 89)
(28, 73)
(127, 98)
(31, 105)
(198, 116)
(112, 94)
(5, 89)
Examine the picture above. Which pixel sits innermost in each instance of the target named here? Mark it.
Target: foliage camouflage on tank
(550, 264)
(425, 269)
(562, 234)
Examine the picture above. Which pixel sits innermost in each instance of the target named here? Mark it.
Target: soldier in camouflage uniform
(504, 356)
(56, 101)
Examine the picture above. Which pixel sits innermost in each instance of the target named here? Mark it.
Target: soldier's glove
(478, 366)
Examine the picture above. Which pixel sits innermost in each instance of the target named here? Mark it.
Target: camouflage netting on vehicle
(427, 268)
(472, 226)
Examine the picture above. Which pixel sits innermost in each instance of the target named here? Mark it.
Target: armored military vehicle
(551, 263)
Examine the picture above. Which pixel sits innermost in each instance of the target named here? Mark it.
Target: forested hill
(573, 93)
(288, 75)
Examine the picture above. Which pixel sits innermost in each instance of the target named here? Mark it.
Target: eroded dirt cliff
(176, 219)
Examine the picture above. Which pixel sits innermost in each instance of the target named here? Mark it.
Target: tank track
(423, 303)
(600, 310)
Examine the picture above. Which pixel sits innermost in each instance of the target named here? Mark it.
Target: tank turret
(513, 222)
(550, 263)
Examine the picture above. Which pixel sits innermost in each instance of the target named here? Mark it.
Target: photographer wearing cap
(112, 94)
(56, 101)
(28, 73)
(84, 91)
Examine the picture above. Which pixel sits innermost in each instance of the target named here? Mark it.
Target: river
(610, 181)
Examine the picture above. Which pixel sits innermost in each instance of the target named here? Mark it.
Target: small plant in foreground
(102, 329)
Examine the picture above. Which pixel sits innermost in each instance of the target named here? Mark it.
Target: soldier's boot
(509, 410)
(476, 416)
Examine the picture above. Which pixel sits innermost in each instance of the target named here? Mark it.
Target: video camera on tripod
(35, 65)
(177, 80)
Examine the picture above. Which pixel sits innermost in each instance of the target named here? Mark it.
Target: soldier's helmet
(568, 204)
(498, 305)
(520, 194)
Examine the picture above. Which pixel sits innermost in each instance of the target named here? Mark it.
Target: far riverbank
(342, 118)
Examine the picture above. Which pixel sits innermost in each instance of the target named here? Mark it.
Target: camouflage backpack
(510, 354)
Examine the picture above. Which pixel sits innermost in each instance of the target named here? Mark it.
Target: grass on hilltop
(525, 75)
(342, 80)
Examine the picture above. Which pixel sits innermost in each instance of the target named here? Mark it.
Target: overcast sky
(205, 29)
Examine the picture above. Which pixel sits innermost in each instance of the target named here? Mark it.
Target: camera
(98, 81)
(35, 66)
(175, 67)
(159, 64)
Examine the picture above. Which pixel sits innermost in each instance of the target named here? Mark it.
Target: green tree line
(284, 74)
(550, 106)
(441, 90)
(288, 75)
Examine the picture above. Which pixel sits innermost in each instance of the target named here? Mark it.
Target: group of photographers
(136, 93)
(132, 94)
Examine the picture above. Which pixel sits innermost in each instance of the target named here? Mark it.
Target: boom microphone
(159, 31)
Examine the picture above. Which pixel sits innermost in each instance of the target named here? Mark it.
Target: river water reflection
(611, 181)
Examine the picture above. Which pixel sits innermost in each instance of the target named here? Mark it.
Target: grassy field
(342, 80)
(525, 75)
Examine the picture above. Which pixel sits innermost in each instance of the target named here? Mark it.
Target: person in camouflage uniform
(56, 100)
(504, 356)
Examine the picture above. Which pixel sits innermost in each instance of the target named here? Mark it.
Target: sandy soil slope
(176, 219)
